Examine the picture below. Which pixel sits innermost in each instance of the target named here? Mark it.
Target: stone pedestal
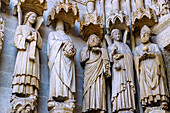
(61, 107)
(23, 105)
(155, 110)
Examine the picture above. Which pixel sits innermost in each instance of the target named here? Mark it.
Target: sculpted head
(116, 34)
(94, 41)
(30, 17)
(145, 34)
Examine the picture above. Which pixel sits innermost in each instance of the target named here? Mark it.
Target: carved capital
(24, 105)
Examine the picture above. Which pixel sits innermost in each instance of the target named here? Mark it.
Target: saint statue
(26, 76)
(150, 72)
(97, 68)
(61, 52)
(123, 88)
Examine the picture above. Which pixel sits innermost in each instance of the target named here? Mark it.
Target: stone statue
(61, 51)
(97, 67)
(150, 72)
(26, 76)
(123, 87)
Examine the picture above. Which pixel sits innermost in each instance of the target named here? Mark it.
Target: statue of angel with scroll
(26, 76)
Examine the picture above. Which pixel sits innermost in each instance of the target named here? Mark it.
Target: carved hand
(143, 56)
(30, 38)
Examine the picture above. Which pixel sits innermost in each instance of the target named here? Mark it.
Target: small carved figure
(97, 67)
(61, 54)
(123, 87)
(26, 75)
(150, 71)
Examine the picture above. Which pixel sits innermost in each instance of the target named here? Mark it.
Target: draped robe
(94, 79)
(26, 76)
(123, 88)
(62, 69)
(151, 76)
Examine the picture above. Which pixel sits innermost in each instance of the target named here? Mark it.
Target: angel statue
(26, 76)
(150, 72)
(123, 87)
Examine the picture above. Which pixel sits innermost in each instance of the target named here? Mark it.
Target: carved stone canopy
(91, 24)
(37, 6)
(66, 11)
(117, 21)
(143, 17)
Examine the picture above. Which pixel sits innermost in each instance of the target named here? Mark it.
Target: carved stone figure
(150, 72)
(61, 53)
(2, 28)
(97, 67)
(26, 76)
(123, 88)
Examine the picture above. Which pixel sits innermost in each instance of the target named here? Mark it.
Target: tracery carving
(143, 16)
(61, 8)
